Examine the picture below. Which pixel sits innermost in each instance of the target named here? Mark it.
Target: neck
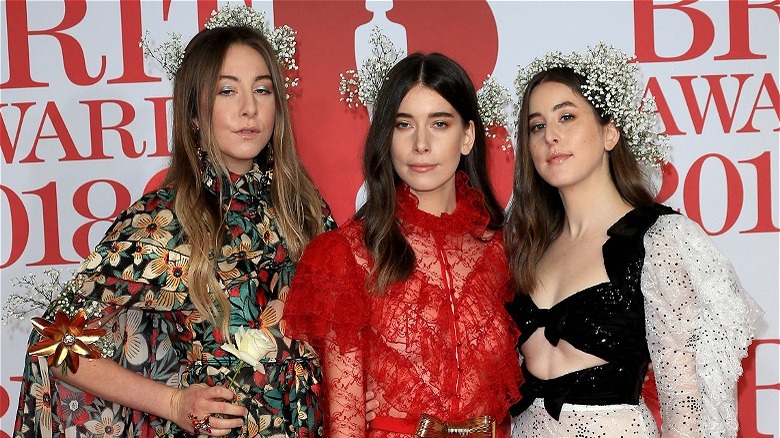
(437, 205)
(592, 210)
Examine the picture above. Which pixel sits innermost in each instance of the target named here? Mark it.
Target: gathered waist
(608, 384)
(428, 426)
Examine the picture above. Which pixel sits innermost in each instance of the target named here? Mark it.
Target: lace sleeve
(345, 388)
(699, 323)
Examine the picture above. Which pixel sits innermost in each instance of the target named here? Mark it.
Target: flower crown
(362, 87)
(170, 54)
(612, 86)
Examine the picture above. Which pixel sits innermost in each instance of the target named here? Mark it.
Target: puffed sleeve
(699, 323)
(327, 297)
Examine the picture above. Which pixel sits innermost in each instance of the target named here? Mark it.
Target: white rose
(251, 346)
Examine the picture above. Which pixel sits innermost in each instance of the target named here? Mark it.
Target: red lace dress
(439, 342)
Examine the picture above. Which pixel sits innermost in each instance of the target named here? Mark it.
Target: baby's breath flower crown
(361, 87)
(612, 87)
(170, 54)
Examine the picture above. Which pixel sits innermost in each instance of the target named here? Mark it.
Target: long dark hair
(536, 214)
(393, 257)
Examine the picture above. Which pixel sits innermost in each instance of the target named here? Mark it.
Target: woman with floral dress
(208, 256)
(407, 300)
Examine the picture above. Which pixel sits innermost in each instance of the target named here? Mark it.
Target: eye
(567, 116)
(534, 127)
(440, 124)
(403, 124)
(226, 91)
(264, 89)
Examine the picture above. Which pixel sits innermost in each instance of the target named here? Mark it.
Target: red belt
(432, 427)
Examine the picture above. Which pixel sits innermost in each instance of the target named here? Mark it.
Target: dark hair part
(295, 198)
(536, 214)
(393, 257)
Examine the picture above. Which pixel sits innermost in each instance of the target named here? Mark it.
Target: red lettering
(669, 182)
(160, 126)
(51, 227)
(73, 57)
(97, 128)
(770, 86)
(9, 147)
(734, 193)
(747, 389)
(81, 205)
(764, 180)
(664, 110)
(20, 226)
(703, 30)
(52, 113)
(155, 182)
(715, 95)
(739, 29)
(4, 404)
(132, 53)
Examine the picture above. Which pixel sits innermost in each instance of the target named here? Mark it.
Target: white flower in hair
(612, 86)
(362, 87)
(170, 54)
(493, 99)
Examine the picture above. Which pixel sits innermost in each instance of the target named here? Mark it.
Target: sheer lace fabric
(699, 322)
(439, 342)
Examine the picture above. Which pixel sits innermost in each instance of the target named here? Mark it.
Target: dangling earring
(270, 148)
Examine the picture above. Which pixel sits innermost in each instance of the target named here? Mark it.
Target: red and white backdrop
(84, 122)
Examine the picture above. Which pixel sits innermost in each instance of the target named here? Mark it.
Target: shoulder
(347, 239)
(675, 229)
(150, 217)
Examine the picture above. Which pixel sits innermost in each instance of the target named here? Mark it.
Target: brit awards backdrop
(84, 122)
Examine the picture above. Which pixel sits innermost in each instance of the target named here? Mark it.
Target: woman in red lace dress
(407, 299)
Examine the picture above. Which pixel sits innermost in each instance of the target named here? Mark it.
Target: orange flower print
(105, 427)
(42, 396)
(115, 253)
(116, 231)
(152, 228)
(171, 263)
(234, 254)
(269, 235)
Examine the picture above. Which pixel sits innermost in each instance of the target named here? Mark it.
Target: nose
(421, 142)
(248, 105)
(551, 135)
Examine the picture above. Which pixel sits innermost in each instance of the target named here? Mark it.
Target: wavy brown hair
(536, 214)
(393, 257)
(296, 200)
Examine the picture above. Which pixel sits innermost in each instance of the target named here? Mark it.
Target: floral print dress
(137, 278)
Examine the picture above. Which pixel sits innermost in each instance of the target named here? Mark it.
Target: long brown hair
(536, 214)
(393, 257)
(295, 198)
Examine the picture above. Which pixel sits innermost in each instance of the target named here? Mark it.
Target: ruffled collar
(246, 188)
(470, 215)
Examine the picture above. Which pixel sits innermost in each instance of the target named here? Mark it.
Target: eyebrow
(235, 78)
(430, 116)
(555, 107)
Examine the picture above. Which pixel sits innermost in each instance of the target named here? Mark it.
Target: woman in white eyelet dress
(607, 282)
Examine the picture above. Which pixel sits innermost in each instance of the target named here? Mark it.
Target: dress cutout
(676, 281)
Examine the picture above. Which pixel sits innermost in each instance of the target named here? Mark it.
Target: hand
(210, 406)
(371, 405)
